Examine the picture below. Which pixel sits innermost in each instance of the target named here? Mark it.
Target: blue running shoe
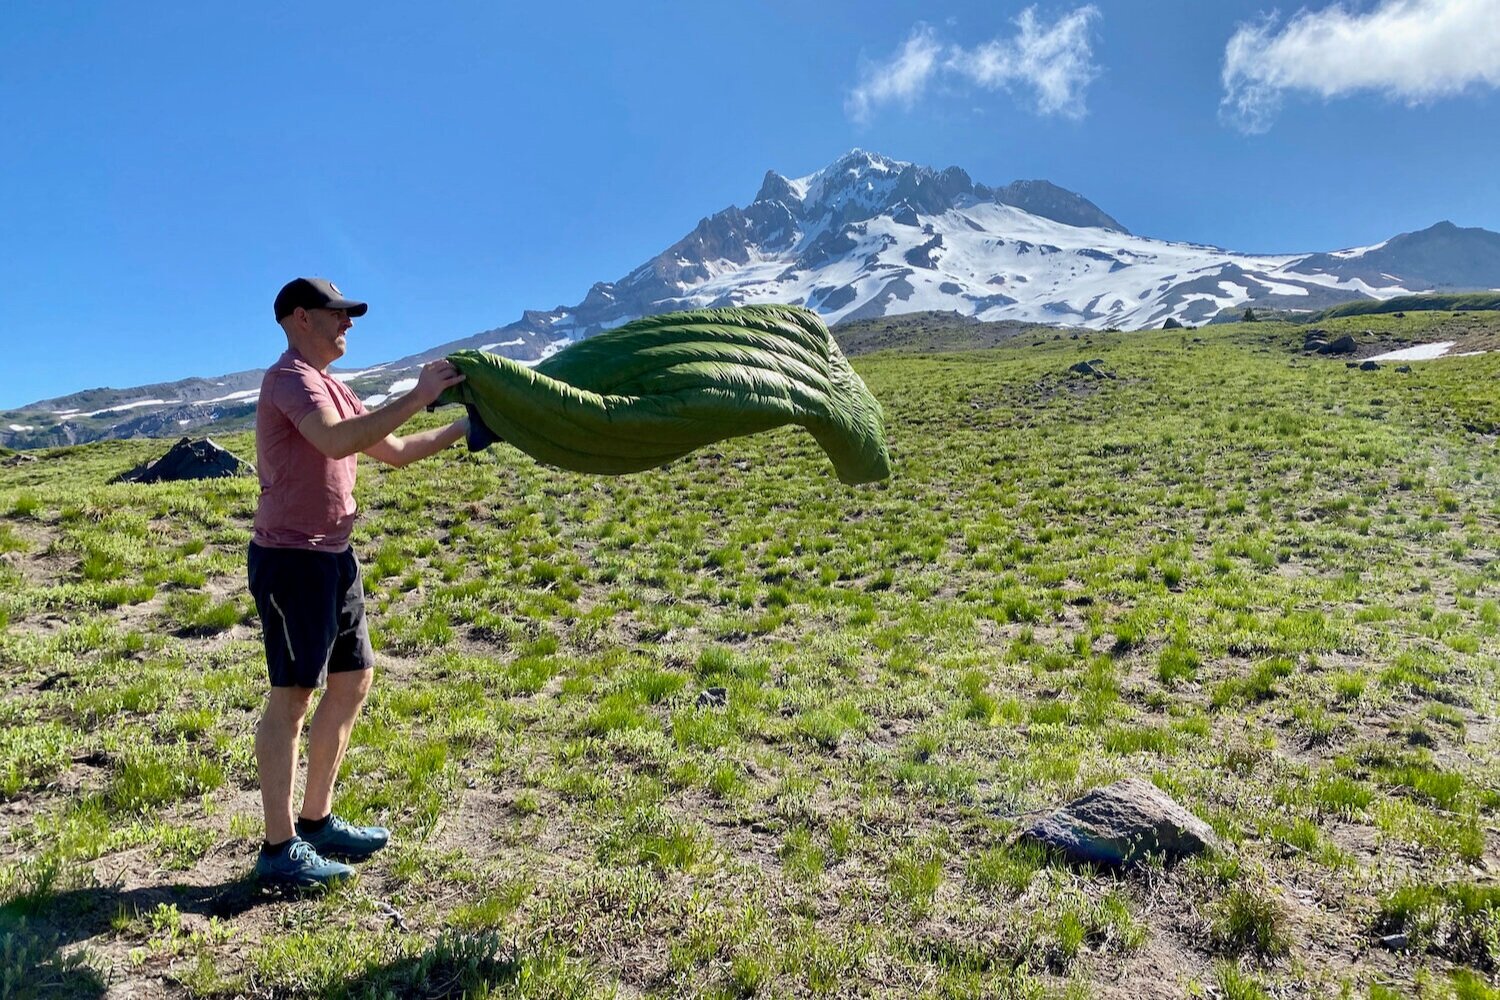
(340, 839)
(299, 866)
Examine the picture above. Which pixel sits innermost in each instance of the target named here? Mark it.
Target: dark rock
(1343, 345)
(1321, 346)
(1351, 364)
(713, 697)
(1121, 824)
(62, 678)
(1369, 366)
(1395, 942)
(1094, 368)
(188, 459)
(925, 255)
(1171, 324)
(1404, 368)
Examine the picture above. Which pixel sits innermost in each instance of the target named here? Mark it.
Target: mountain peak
(1058, 204)
(861, 160)
(1441, 257)
(860, 185)
(870, 236)
(777, 188)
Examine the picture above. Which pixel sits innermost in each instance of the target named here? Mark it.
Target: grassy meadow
(730, 729)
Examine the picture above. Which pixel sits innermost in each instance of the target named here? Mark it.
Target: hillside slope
(730, 729)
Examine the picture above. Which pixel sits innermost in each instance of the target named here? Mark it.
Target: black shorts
(312, 614)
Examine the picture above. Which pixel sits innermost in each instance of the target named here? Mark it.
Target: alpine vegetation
(731, 728)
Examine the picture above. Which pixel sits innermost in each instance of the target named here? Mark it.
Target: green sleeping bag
(651, 391)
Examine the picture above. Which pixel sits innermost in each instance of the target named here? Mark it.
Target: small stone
(1121, 824)
(713, 697)
(1405, 369)
(1370, 366)
(392, 914)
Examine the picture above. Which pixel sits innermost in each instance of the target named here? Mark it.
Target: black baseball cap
(314, 293)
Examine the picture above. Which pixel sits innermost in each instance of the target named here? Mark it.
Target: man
(309, 431)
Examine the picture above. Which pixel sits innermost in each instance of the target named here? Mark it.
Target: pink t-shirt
(306, 498)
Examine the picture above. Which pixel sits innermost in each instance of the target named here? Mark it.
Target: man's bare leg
(276, 757)
(328, 737)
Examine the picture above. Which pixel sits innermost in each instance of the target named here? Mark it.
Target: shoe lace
(303, 851)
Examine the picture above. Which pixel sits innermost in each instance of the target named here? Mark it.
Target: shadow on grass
(461, 965)
(36, 930)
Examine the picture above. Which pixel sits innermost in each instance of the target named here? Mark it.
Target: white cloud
(1408, 50)
(902, 79)
(1055, 61)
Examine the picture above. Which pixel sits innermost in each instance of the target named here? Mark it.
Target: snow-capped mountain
(869, 236)
(866, 237)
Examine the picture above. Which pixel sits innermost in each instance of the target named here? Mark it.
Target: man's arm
(399, 451)
(341, 437)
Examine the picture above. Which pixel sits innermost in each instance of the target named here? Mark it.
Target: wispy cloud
(1054, 61)
(901, 80)
(1409, 50)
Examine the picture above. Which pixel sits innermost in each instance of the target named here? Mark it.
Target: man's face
(328, 327)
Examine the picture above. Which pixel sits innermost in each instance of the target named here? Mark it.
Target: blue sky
(166, 166)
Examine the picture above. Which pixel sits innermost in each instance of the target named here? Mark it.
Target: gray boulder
(1120, 824)
(1343, 345)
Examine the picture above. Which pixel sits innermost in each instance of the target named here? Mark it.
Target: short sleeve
(297, 392)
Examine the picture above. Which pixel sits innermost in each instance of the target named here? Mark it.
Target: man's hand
(339, 437)
(436, 376)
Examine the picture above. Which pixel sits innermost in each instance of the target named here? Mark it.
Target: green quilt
(655, 389)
